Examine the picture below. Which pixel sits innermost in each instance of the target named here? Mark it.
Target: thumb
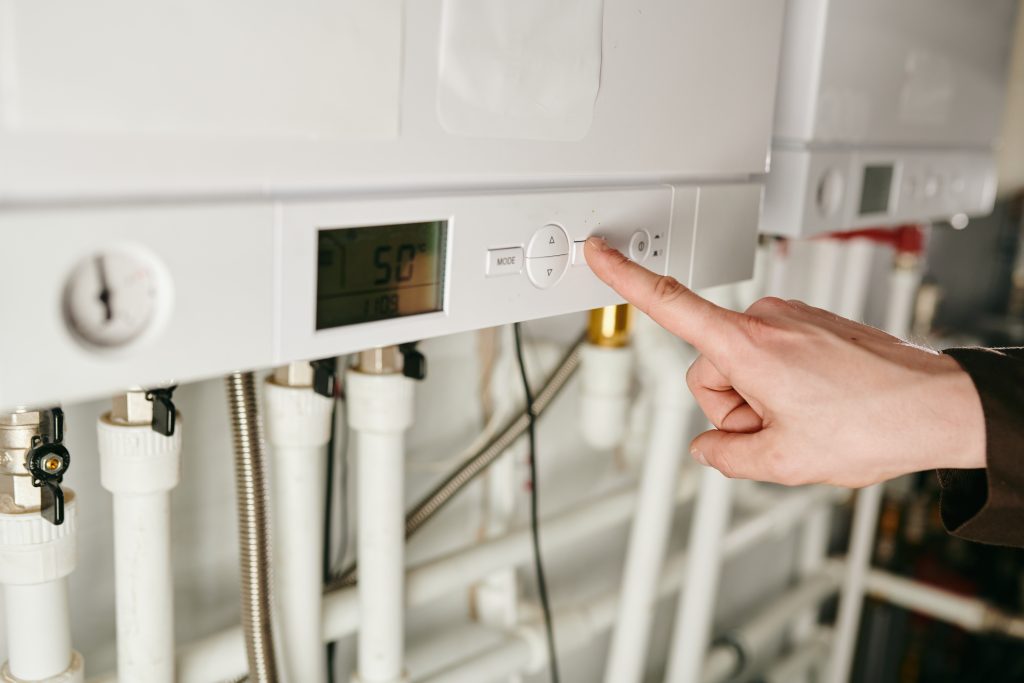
(738, 455)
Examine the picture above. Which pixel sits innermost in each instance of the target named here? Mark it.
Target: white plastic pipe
(140, 468)
(903, 285)
(853, 291)
(666, 363)
(777, 279)
(38, 633)
(576, 627)
(35, 560)
(970, 614)
(827, 258)
(606, 376)
(691, 632)
(380, 410)
(811, 556)
(805, 659)
(222, 655)
(851, 601)
(298, 428)
(757, 635)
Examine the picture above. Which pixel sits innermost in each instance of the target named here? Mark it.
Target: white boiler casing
(191, 155)
(887, 112)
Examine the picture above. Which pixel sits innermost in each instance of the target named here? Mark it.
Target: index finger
(709, 328)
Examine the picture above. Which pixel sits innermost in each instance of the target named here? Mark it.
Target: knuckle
(618, 258)
(667, 289)
(760, 330)
(769, 305)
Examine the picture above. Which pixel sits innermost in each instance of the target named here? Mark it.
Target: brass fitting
(610, 326)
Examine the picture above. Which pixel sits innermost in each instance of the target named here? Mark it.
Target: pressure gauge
(115, 297)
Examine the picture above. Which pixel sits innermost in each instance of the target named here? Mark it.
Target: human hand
(799, 395)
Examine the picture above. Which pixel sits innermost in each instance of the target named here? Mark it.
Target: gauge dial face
(112, 298)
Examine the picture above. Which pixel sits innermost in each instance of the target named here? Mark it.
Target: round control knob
(640, 246)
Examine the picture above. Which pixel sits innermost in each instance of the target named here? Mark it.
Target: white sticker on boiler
(528, 69)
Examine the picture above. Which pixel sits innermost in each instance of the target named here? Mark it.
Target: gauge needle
(101, 270)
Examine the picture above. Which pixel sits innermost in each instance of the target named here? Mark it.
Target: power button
(639, 246)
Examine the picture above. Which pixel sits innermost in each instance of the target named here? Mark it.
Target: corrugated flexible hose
(253, 526)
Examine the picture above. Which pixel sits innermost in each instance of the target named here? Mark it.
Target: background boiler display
(379, 272)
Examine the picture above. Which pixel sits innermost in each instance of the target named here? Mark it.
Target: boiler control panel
(102, 298)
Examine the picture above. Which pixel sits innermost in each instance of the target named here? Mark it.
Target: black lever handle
(52, 428)
(47, 463)
(164, 412)
(325, 377)
(414, 363)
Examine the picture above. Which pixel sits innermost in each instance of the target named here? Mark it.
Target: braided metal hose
(481, 460)
(253, 529)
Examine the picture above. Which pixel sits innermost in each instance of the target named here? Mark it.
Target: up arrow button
(550, 240)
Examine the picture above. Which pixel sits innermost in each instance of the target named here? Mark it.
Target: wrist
(967, 439)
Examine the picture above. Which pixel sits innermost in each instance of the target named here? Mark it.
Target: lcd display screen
(875, 190)
(379, 272)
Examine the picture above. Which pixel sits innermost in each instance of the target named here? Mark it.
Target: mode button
(504, 261)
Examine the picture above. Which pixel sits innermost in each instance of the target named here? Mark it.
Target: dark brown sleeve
(987, 505)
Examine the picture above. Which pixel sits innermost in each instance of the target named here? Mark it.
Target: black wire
(538, 564)
(328, 519)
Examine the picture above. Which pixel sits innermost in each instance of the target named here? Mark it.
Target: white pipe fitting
(298, 430)
(606, 377)
(35, 559)
(140, 468)
(380, 410)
